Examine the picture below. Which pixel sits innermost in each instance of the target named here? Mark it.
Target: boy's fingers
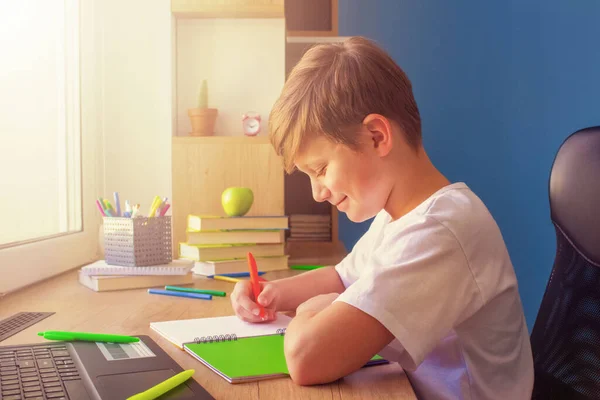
(247, 304)
(244, 305)
(246, 315)
(265, 298)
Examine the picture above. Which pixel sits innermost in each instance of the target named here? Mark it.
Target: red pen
(254, 281)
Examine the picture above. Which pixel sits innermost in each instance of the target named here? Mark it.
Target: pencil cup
(137, 242)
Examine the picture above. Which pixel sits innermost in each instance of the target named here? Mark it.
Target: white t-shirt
(441, 281)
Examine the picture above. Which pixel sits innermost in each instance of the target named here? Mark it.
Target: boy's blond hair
(333, 88)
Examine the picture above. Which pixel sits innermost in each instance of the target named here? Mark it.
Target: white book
(204, 329)
(176, 267)
(102, 283)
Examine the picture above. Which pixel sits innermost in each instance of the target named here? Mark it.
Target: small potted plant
(203, 118)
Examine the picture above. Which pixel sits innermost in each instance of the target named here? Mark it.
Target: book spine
(134, 271)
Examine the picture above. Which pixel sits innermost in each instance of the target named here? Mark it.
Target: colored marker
(181, 294)
(87, 337)
(193, 290)
(158, 390)
(117, 203)
(237, 274)
(306, 267)
(226, 279)
(155, 204)
(254, 281)
(164, 210)
(100, 208)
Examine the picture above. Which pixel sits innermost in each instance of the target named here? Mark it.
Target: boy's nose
(320, 192)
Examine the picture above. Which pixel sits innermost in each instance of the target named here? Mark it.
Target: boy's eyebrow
(311, 166)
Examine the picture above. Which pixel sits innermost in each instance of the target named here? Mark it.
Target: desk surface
(130, 312)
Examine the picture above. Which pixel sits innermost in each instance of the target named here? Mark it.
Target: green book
(247, 359)
(236, 350)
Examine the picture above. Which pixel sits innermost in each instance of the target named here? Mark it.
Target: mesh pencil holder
(137, 242)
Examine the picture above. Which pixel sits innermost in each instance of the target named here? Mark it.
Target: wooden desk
(130, 312)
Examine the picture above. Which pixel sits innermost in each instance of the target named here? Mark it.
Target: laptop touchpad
(122, 386)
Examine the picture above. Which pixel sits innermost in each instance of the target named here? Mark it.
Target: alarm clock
(251, 123)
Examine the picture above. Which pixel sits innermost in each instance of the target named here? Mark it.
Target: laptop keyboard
(36, 372)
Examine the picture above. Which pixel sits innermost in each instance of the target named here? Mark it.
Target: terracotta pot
(203, 121)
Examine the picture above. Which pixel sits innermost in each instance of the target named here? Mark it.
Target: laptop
(89, 371)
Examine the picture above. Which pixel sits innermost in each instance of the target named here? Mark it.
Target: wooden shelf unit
(205, 166)
(227, 8)
(202, 167)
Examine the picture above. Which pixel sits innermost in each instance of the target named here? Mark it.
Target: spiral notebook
(210, 329)
(176, 267)
(236, 350)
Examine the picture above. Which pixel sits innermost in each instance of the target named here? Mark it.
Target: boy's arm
(297, 289)
(323, 346)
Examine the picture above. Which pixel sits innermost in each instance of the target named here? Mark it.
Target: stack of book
(310, 227)
(219, 245)
(100, 276)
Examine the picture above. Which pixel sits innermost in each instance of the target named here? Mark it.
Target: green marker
(192, 290)
(163, 387)
(87, 337)
(306, 267)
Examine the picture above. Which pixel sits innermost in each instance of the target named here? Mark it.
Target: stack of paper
(100, 276)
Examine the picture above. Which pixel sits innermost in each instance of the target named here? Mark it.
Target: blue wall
(499, 85)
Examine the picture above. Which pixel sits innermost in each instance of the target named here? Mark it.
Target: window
(46, 154)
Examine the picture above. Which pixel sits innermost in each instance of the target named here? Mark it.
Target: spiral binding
(226, 338)
(216, 338)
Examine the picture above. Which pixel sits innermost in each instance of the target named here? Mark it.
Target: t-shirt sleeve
(421, 288)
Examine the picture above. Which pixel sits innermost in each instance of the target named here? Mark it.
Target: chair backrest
(566, 336)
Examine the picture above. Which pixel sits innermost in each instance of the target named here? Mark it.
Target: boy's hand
(317, 304)
(242, 301)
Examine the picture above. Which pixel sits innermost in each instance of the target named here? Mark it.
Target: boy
(430, 284)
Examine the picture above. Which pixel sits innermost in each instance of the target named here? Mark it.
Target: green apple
(236, 201)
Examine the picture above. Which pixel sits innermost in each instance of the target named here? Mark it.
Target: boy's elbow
(303, 368)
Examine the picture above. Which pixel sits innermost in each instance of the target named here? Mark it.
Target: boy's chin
(359, 217)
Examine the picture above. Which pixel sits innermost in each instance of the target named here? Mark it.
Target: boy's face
(350, 180)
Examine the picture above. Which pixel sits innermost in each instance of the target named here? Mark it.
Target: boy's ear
(380, 133)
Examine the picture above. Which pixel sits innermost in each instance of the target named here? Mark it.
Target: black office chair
(566, 336)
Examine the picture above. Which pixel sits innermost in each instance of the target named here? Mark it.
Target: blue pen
(118, 203)
(181, 294)
(237, 274)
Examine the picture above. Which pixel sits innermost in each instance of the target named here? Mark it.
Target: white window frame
(30, 262)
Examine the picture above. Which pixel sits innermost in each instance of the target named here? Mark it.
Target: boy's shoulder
(455, 210)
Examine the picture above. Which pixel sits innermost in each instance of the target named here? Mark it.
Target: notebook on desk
(237, 351)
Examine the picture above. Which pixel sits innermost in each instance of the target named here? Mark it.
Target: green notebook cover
(247, 359)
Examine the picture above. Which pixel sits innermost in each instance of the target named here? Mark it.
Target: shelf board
(227, 8)
(316, 39)
(221, 139)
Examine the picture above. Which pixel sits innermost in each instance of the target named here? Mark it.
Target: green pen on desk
(306, 267)
(87, 337)
(193, 290)
(163, 387)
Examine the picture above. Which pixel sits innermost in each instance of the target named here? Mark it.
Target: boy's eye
(321, 171)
